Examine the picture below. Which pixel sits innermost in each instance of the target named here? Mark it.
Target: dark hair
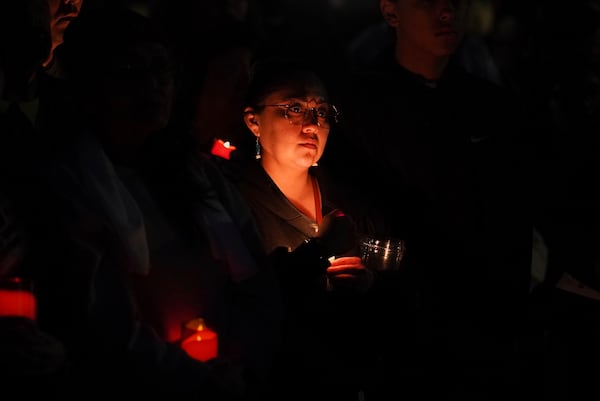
(272, 74)
(24, 36)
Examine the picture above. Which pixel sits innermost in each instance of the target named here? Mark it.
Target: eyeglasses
(324, 114)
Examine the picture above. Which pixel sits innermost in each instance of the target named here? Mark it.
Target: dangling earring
(257, 155)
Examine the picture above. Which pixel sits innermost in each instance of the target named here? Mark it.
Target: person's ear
(388, 11)
(250, 118)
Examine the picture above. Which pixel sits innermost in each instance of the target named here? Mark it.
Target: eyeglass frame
(314, 110)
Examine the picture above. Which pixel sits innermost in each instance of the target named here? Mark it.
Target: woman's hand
(349, 273)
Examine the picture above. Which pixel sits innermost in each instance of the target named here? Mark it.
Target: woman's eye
(322, 112)
(295, 108)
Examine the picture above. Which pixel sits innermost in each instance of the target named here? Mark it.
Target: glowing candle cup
(382, 254)
(199, 341)
(222, 149)
(17, 298)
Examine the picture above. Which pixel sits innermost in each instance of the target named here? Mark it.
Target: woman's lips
(309, 145)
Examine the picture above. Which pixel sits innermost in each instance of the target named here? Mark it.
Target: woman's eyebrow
(303, 99)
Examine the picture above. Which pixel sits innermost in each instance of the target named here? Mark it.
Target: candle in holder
(382, 254)
(222, 149)
(199, 341)
(17, 298)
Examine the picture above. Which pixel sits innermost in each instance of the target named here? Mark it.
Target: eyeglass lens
(298, 113)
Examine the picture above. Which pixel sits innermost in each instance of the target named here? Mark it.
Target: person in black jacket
(440, 152)
(32, 362)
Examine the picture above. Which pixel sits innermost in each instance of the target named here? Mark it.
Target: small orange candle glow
(222, 149)
(16, 299)
(203, 343)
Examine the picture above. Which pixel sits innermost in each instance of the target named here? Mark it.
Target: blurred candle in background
(199, 341)
(17, 298)
(222, 149)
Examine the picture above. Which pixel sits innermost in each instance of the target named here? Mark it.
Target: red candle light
(17, 299)
(222, 149)
(203, 343)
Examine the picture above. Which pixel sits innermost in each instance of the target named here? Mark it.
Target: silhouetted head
(121, 68)
(24, 44)
(427, 32)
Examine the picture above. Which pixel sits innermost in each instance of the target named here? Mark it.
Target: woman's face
(291, 127)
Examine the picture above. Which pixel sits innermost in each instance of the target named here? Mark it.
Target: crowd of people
(127, 226)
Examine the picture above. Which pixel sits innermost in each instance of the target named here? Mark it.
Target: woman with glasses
(312, 242)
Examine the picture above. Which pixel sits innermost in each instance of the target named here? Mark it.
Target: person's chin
(307, 162)
(446, 50)
(60, 26)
